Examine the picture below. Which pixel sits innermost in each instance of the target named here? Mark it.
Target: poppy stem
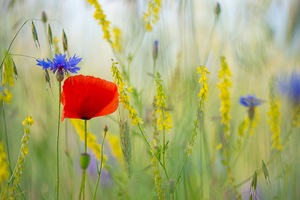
(57, 142)
(82, 190)
(85, 136)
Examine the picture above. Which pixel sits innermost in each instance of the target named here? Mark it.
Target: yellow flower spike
(18, 170)
(224, 86)
(4, 173)
(203, 93)
(151, 16)
(164, 119)
(101, 18)
(124, 98)
(6, 96)
(274, 118)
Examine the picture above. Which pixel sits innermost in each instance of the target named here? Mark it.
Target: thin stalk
(164, 143)
(6, 136)
(99, 170)
(82, 187)
(244, 145)
(151, 152)
(57, 142)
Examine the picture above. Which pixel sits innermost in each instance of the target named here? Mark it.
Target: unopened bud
(155, 50)
(217, 9)
(105, 129)
(60, 75)
(44, 17)
(85, 161)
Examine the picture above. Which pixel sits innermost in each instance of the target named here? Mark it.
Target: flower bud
(44, 17)
(60, 75)
(155, 50)
(217, 9)
(84, 161)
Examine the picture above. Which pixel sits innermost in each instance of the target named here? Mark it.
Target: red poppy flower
(86, 97)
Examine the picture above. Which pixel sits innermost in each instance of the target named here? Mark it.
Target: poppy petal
(86, 97)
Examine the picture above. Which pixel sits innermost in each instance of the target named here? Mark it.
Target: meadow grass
(198, 118)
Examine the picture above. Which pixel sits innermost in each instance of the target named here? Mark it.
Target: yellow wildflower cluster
(8, 79)
(151, 16)
(101, 17)
(203, 93)
(243, 126)
(115, 146)
(27, 122)
(4, 173)
(91, 138)
(274, 120)
(123, 96)
(164, 119)
(5, 95)
(224, 86)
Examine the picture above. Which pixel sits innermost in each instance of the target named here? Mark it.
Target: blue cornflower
(60, 65)
(291, 87)
(250, 101)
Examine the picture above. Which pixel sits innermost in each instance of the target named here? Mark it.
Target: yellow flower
(151, 16)
(4, 173)
(5, 95)
(124, 98)
(274, 118)
(17, 173)
(224, 86)
(203, 93)
(100, 16)
(164, 118)
(28, 121)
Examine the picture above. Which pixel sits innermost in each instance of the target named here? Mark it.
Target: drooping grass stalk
(57, 141)
(6, 137)
(99, 170)
(151, 151)
(244, 144)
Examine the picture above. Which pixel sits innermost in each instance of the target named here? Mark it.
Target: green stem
(57, 141)
(244, 145)
(151, 152)
(82, 187)
(99, 170)
(6, 136)
(85, 136)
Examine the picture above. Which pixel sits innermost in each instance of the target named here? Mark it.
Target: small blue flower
(250, 101)
(290, 87)
(60, 65)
